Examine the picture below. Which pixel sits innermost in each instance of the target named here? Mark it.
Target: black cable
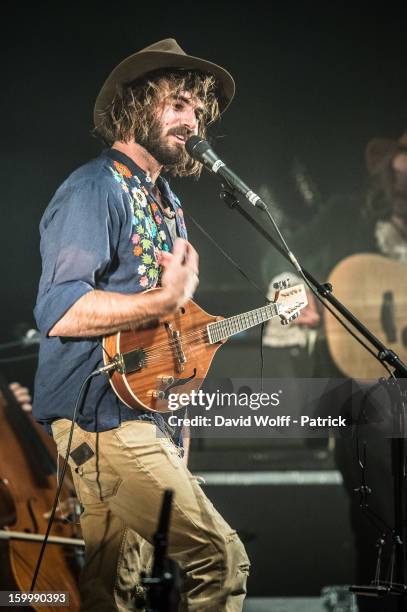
(373, 516)
(226, 256)
(64, 468)
(364, 490)
(245, 276)
(297, 266)
(319, 298)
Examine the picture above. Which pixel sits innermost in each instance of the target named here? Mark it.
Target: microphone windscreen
(195, 146)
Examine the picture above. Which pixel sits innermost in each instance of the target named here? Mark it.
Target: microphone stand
(398, 579)
(164, 584)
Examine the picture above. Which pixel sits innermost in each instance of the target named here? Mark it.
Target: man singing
(113, 230)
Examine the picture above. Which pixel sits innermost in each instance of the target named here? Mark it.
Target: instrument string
(186, 338)
(229, 325)
(158, 351)
(195, 334)
(154, 355)
(170, 348)
(188, 348)
(185, 347)
(182, 337)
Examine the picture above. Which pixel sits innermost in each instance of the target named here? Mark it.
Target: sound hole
(387, 316)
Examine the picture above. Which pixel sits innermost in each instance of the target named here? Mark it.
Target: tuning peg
(283, 284)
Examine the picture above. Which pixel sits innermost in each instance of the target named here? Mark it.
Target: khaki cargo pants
(121, 487)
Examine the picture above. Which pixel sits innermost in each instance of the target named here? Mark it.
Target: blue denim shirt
(101, 230)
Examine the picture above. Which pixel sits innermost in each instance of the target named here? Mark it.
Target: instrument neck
(221, 330)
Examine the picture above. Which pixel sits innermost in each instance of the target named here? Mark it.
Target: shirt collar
(161, 182)
(127, 161)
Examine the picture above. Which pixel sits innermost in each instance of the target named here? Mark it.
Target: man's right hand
(98, 313)
(180, 277)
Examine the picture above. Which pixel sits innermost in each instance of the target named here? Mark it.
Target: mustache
(180, 131)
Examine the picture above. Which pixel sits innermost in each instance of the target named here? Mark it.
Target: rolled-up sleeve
(79, 232)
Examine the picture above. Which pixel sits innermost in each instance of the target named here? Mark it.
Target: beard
(171, 156)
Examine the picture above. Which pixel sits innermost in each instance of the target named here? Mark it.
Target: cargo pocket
(95, 480)
(145, 443)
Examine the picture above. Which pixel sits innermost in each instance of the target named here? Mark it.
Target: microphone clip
(228, 195)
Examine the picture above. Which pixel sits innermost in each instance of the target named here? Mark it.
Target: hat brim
(140, 64)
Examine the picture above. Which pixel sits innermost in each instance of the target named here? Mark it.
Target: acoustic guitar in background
(374, 288)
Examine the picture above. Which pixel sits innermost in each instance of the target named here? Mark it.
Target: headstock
(289, 301)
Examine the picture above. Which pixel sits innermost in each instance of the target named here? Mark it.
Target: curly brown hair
(132, 110)
(380, 190)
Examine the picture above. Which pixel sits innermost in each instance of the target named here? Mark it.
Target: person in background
(21, 394)
(375, 222)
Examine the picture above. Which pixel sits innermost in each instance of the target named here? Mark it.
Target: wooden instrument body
(26, 498)
(190, 321)
(172, 356)
(374, 288)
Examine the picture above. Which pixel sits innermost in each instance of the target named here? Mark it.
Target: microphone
(200, 149)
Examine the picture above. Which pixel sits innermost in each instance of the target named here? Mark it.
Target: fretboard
(238, 323)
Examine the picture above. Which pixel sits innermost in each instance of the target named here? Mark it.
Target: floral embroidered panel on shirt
(149, 235)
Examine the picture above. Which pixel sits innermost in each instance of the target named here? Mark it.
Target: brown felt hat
(379, 151)
(163, 54)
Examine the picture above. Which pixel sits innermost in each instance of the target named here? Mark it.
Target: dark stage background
(313, 86)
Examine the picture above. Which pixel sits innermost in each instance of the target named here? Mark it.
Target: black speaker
(297, 536)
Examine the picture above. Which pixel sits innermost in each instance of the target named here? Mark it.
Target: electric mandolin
(173, 355)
